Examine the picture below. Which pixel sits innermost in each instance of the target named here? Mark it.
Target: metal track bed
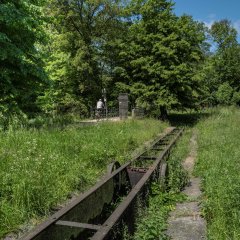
(111, 206)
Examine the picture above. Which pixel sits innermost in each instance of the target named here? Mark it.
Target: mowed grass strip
(40, 169)
(219, 166)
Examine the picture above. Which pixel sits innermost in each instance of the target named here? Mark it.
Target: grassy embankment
(40, 168)
(219, 167)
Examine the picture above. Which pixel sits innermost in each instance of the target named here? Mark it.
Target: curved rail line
(108, 208)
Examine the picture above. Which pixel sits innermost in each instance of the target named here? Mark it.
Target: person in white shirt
(100, 107)
(100, 104)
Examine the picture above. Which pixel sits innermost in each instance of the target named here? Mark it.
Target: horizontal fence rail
(104, 113)
(111, 206)
(114, 112)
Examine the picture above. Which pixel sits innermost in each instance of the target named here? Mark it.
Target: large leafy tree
(227, 57)
(80, 62)
(224, 34)
(221, 70)
(158, 59)
(21, 73)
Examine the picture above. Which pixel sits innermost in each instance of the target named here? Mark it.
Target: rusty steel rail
(106, 229)
(111, 204)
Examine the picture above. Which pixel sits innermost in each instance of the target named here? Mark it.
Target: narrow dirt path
(185, 222)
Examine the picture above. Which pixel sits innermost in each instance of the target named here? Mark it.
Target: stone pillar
(123, 105)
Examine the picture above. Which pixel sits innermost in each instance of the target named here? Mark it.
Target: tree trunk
(163, 113)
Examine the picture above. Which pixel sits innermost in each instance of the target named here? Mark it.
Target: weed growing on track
(40, 168)
(153, 221)
(219, 166)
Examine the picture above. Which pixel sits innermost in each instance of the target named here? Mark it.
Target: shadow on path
(187, 119)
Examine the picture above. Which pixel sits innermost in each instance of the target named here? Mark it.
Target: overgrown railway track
(111, 206)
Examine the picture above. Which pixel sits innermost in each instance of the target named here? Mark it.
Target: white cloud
(212, 16)
(210, 20)
(209, 24)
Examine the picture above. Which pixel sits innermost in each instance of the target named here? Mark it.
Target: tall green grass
(219, 166)
(41, 168)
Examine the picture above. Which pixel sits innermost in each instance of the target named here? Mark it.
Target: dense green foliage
(21, 69)
(220, 73)
(57, 56)
(40, 168)
(218, 165)
(159, 57)
(78, 62)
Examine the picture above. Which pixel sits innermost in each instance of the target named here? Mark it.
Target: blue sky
(209, 11)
